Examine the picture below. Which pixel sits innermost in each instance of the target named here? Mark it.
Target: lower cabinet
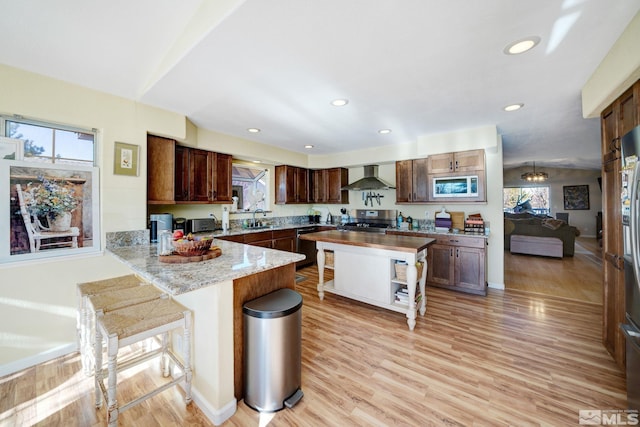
(283, 240)
(457, 262)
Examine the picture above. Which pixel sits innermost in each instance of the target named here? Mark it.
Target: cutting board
(457, 220)
(214, 252)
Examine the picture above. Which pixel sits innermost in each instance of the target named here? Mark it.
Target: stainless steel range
(372, 221)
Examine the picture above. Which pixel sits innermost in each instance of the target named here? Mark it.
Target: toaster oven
(201, 225)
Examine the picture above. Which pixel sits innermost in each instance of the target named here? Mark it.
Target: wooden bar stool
(85, 320)
(106, 302)
(130, 325)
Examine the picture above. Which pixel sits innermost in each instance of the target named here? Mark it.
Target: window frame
(263, 175)
(16, 118)
(537, 210)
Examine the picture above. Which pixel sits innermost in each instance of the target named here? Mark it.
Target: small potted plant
(52, 200)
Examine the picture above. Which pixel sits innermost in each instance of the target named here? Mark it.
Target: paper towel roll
(225, 218)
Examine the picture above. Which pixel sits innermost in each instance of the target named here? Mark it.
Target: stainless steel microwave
(455, 186)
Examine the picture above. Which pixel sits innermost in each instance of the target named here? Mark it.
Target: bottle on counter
(400, 220)
(410, 222)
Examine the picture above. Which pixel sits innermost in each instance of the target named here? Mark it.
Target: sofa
(529, 224)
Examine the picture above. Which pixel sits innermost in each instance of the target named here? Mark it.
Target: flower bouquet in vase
(52, 200)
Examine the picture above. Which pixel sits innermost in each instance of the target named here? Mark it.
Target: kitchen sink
(259, 227)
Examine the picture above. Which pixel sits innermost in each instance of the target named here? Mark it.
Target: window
(51, 143)
(526, 199)
(250, 186)
(52, 200)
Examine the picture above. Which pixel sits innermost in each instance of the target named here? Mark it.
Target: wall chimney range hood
(370, 181)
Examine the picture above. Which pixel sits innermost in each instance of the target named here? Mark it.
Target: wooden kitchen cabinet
(461, 161)
(318, 185)
(412, 181)
(291, 184)
(176, 173)
(283, 240)
(209, 176)
(181, 174)
(200, 175)
(326, 185)
(160, 170)
(616, 120)
(457, 262)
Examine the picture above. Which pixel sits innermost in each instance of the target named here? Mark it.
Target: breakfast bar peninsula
(375, 268)
(215, 291)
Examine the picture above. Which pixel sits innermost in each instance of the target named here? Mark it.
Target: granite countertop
(434, 233)
(236, 231)
(237, 260)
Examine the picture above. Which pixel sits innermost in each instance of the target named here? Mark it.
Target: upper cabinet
(326, 185)
(416, 179)
(412, 181)
(299, 185)
(291, 184)
(179, 174)
(161, 157)
(209, 176)
(461, 161)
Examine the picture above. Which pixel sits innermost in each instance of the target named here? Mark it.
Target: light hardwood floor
(510, 358)
(578, 277)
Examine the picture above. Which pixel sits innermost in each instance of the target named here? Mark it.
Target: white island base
(368, 275)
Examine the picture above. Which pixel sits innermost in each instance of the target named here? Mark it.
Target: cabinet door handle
(457, 253)
(456, 165)
(451, 252)
(450, 165)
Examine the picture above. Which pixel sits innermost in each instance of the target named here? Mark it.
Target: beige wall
(37, 299)
(617, 71)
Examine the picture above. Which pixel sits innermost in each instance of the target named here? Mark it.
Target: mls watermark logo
(608, 417)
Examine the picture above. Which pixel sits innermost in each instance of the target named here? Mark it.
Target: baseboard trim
(499, 286)
(28, 362)
(216, 416)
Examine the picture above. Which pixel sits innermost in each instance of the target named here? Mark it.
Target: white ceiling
(418, 67)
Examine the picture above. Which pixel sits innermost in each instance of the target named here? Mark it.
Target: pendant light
(535, 176)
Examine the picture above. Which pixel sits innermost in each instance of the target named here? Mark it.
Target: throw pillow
(553, 224)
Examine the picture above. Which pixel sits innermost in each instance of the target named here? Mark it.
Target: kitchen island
(366, 267)
(215, 291)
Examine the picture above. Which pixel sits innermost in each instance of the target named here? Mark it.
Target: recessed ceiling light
(308, 146)
(253, 130)
(384, 131)
(522, 46)
(339, 102)
(513, 107)
(257, 161)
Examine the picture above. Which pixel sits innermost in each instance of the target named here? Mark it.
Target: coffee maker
(159, 223)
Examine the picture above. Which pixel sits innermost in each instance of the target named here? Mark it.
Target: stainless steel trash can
(273, 350)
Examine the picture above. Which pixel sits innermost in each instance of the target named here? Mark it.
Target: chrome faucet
(253, 221)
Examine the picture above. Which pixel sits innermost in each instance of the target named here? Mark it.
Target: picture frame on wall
(576, 197)
(48, 210)
(11, 148)
(126, 159)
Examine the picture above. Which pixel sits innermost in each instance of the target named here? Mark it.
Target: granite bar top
(237, 260)
(422, 232)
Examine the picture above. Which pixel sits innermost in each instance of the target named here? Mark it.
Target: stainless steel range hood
(370, 181)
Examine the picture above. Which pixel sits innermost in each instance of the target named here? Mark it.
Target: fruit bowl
(195, 247)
